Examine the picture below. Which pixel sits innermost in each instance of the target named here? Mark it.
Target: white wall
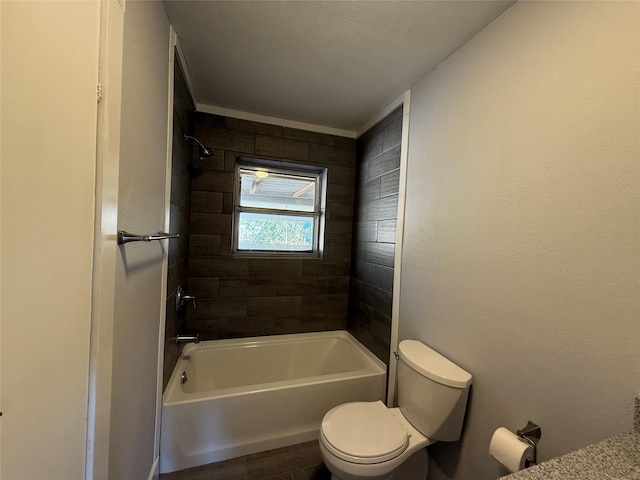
(522, 241)
(139, 290)
(48, 130)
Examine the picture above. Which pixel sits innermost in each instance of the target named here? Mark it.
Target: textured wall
(240, 296)
(180, 214)
(376, 206)
(139, 267)
(521, 253)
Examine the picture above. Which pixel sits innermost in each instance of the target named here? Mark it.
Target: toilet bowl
(367, 440)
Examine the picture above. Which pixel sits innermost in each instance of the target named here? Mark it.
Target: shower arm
(204, 150)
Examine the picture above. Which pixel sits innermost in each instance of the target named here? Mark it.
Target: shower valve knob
(186, 297)
(182, 298)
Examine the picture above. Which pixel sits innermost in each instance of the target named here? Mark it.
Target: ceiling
(330, 63)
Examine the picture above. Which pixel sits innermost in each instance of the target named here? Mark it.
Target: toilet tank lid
(432, 365)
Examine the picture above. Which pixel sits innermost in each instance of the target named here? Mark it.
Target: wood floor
(297, 462)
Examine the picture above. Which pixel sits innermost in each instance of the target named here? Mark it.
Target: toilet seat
(363, 433)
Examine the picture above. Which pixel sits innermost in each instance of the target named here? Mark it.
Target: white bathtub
(253, 394)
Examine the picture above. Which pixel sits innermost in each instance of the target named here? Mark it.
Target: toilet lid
(363, 432)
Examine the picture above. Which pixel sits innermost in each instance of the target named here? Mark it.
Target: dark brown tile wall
(241, 297)
(179, 218)
(376, 206)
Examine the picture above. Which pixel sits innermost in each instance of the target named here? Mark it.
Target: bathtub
(248, 395)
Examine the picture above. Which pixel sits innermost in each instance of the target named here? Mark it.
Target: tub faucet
(195, 338)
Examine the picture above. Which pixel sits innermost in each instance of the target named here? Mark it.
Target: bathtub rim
(374, 366)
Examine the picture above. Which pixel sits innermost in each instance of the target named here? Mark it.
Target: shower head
(204, 151)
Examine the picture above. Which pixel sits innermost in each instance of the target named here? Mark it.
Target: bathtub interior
(306, 358)
(226, 367)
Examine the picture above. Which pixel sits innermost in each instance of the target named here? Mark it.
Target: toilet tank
(432, 391)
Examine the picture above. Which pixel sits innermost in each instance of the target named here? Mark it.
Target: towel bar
(125, 237)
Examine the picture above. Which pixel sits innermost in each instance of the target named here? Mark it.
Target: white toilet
(367, 440)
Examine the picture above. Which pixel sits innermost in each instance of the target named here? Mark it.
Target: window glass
(278, 208)
(259, 231)
(263, 189)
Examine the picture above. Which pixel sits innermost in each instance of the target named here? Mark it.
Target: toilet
(367, 440)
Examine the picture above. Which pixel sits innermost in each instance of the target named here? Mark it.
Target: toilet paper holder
(531, 433)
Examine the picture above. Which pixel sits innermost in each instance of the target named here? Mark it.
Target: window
(279, 208)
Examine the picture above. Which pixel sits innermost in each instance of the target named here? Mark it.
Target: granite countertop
(616, 458)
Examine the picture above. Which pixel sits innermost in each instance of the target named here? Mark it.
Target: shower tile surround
(180, 203)
(376, 206)
(244, 297)
(350, 287)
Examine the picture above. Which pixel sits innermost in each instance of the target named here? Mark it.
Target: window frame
(318, 214)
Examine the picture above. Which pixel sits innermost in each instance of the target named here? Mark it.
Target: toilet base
(416, 467)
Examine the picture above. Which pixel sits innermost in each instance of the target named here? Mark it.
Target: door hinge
(99, 92)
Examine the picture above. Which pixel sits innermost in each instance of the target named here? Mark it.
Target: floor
(297, 462)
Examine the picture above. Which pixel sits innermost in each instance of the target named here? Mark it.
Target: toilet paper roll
(509, 449)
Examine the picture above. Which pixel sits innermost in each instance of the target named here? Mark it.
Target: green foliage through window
(275, 232)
